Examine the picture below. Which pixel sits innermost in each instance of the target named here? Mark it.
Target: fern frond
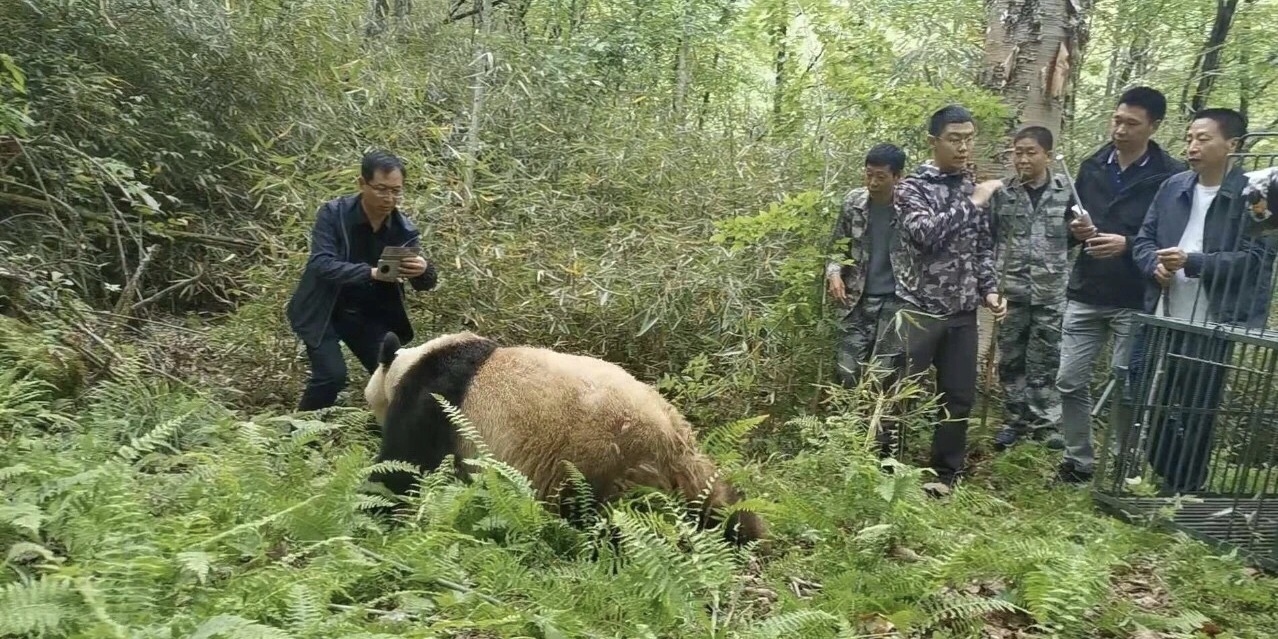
(722, 441)
(24, 551)
(306, 609)
(197, 562)
(791, 624)
(38, 607)
(10, 472)
(93, 599)
(25, 517)
(964, 610)
(236, 627)
(159, 435)
(464, 427)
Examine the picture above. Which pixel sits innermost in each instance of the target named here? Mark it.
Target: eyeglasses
(385, 191)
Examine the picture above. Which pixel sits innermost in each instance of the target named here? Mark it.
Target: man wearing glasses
(944, 263)
(342, 296)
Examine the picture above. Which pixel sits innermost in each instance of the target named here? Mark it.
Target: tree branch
(454, 17)
(131, 288)
(175, 287)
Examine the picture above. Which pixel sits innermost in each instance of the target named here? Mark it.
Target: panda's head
(380, 387)
(394, 362)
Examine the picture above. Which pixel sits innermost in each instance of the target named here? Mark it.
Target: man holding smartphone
(343, 297)
(1116, 185)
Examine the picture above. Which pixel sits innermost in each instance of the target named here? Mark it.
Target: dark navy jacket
(1235, 270)
(330, 267)
(1115, 281)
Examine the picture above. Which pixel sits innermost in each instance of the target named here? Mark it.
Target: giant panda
(534, 409)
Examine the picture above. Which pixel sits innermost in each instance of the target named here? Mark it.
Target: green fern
(790, 624)
(306, 610)
(964, 612)
(723, 441)
(38, 607)
(236, 627)
(24, 517)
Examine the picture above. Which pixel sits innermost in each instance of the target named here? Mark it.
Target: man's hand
(411, 267)
(1081, 230)
(1172, 258)
(834, 284)
(984, 191)
(1106, 245)
(997, 306)
(380, 277)
(1162, 275)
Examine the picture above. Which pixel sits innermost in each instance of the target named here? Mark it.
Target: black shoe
(1067, 473)
(1051, 439)
(940, 487)
(1007, 437)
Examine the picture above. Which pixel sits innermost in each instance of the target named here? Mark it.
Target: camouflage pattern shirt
(852, 263)
(944, 253)
(1033, 242)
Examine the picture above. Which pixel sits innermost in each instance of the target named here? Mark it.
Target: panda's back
(567, 406)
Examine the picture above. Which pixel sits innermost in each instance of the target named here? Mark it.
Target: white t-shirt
(1186, 303)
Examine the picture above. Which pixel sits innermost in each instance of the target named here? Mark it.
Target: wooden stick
(122, 304)
(177, 327)
(180, 285)
(115, 356)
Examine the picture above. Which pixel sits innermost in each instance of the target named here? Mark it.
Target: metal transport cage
(1192, 436)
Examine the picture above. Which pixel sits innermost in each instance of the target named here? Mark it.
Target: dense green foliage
(646, 181)
(140, 510)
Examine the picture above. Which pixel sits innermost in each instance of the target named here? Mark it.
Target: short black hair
(1040, 134)
(1232, 123)
(946, 115)
(378, 160)
(1148, 98)
(889, 155)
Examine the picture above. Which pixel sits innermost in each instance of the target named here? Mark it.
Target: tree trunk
(380, 10)
(1031, 47)
(1208, 62)
(683, 68)
(780, 28)
(482, 61)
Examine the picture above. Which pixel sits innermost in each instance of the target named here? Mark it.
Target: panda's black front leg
(416, 431)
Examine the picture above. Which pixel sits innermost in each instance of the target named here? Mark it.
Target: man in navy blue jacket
(342, 298)
(1115, 185)
(1194, 246)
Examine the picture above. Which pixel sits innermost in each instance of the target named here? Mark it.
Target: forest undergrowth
(651, 182)
(135, 506)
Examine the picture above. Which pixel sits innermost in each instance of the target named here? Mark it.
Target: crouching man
(342, 297)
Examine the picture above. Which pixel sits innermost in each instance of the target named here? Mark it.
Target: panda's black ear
(390, 344)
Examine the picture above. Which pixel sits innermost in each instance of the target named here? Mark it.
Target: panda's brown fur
(536, 408)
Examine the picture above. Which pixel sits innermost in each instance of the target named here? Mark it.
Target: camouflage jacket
(944, 251)
(850, 227)
(1033, 243)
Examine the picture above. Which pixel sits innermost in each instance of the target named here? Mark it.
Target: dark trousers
(328, 367)
(915, 342)
(1182, 413)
